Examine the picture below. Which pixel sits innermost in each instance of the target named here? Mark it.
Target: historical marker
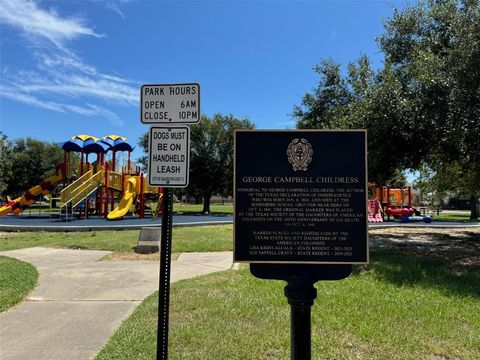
(300, 197)
(170, 103)
(169, 156)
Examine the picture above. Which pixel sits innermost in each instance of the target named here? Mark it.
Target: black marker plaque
(300, 196)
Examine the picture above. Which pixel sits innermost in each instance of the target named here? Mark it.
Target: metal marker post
(164, 285)
(301, 294)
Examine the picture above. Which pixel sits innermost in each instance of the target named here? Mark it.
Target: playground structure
(396, 202)
(28, 198)
(93, 188)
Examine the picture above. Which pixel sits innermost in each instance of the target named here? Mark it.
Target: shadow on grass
(454, 246)
(407, 269)
(460, 236)
(76, 247)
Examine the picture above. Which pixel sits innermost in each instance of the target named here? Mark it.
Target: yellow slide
(126, 202)
(16, 206)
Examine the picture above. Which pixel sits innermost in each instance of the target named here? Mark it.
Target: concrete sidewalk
(80, 301)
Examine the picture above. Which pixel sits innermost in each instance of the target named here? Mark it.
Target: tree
(423, 106)
(363, 99)
(211, 166)
(5, 162)
(143, 143)
(327, 105)
(434, 50)
(31, 162)
(211, 161)
(444, 179)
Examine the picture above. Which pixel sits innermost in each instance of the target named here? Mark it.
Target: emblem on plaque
(299, 154)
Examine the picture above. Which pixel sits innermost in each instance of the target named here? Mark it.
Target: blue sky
(76, 67)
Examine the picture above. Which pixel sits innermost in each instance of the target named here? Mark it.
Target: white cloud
(68, 76)
(13, 94)
(58, 78)
(89, 110)
(65, 60)
(33, 21)
(112, 5)
(94, 110)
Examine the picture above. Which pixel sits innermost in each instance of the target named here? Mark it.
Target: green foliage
(211, 165)
(5, 162)
(143, 143)
(434, 50)
(29, 162)
(423, 106)
(17, 279)
(442, 179)
(364, 99)
(326, 106)
(211, 162)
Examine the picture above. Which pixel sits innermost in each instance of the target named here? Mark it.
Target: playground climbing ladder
(80, 190)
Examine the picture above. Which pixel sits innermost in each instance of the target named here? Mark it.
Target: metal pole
(301, 332)
(164, 284)
(301, 295)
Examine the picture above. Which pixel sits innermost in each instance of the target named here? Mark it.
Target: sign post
(169, 105)
(164, 281)
(300, 213)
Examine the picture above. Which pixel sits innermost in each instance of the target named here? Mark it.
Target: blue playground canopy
(72, 145)
(97, 147)
(90, 144)
(118, 143)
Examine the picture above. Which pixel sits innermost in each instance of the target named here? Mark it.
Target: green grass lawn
(404, 305)
(187, 209)
(452, 216)
(398, 307)
(196, 209)
(185, 239)
(17, 279)
(202, 238)
(215, 209)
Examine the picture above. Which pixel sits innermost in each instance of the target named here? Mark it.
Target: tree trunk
(206, 204)
(473, 208)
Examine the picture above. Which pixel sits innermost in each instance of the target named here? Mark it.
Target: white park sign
(170, 103)
(168, 106)
(168, 161)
